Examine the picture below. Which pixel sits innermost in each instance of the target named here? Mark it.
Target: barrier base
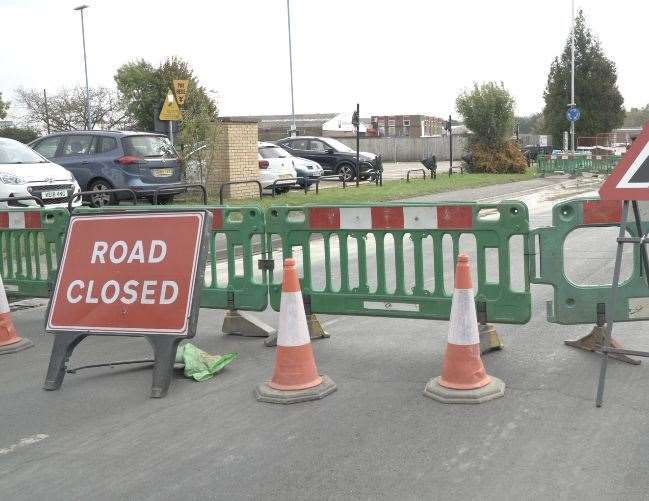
(495, 389)
(316, 331)
(238, 323)
(21, 344)
(594, 342)
(489, 339)
(265, 393)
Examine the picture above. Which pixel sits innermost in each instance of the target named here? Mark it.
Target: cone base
(434, 390)
(21, 344)
(265, 393)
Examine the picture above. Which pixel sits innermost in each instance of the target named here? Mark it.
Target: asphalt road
(101, 437)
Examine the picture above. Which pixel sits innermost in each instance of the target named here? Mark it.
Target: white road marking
(33, 439)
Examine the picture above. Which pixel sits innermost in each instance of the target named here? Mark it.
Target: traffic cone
(296, 377)
(464, 379)
(10, 342)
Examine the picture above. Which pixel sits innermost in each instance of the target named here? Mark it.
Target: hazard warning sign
(630, 178)
(131, 274)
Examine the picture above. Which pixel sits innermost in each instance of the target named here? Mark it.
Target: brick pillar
(235, 159)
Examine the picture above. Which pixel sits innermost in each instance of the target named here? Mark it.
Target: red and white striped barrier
(20, 220)
(391, 218)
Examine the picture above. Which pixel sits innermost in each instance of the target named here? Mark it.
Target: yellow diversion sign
(170, 109)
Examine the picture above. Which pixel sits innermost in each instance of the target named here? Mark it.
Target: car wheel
(346, 172)
(101, 199)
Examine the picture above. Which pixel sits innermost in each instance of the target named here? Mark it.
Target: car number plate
(162, 172)
(54, 194)
(285, 176)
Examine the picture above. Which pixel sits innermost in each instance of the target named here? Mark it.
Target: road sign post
(129, 274)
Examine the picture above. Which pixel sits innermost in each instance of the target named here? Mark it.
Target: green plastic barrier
(577, 304)
(30, 246)
(406, 237)
(576, 165)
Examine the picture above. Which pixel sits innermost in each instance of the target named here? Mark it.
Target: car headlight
(8, 178)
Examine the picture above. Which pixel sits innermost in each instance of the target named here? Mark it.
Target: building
(341, 126)
(274, 127)
(405, 126)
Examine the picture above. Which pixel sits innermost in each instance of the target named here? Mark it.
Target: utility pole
(450, 145)
(290, 63)
(81, 8)
(356, 120)
(572, 79)
(47, 111)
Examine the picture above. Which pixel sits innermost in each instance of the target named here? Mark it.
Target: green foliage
(488, 112)
(144, 88)
(596, 92)
(531, 124)
(637, 117)
(4, 106)
(22, 134)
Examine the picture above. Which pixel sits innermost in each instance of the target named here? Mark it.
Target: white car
(275, 165)
(23, 172)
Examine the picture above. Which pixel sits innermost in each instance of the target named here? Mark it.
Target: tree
(22, 134)
(637, 117)
(144, 89)
(66, 110)
(4, 106)
(488, 111)
(531, 124)
(596, 92)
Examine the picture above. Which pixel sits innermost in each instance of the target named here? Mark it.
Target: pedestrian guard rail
(579, 304)
(576, 164)
(412, 237)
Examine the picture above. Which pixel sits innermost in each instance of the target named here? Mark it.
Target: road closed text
(129, 291)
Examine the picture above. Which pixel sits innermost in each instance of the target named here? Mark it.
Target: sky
(393, 57)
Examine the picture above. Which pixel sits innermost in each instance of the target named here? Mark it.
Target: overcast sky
(397, 56)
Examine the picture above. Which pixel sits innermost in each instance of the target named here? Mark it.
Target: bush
(22, 134)
(504, 160)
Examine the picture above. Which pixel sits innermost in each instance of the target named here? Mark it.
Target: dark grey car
(99, 160)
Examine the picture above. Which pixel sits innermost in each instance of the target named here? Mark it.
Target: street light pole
(572, 79)
(81, 8)
(290, 63)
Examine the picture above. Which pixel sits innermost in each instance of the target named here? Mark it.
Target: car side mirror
(329, 151)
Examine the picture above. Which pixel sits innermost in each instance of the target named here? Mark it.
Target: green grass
(391, 190)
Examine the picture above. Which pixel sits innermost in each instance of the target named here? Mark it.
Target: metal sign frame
(164, 344)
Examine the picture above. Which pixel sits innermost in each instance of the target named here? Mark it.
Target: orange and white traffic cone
(10, 342)
(296, 377)
(464, 379)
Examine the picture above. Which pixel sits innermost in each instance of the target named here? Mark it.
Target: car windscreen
(337, 145)
(13, 152)
(148, 146)
(273, 152)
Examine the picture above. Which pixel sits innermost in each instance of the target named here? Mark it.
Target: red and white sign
(630, 178)
(128, 273)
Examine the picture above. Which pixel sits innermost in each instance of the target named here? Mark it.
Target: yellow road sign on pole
(170, 109)
(180, 89)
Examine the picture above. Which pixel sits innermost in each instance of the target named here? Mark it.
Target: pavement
(377, 437)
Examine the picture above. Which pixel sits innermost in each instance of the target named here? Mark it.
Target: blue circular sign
(573, 114)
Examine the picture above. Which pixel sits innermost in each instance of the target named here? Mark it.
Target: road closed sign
(131, 274)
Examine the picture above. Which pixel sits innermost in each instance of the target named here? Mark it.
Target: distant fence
(409, 149)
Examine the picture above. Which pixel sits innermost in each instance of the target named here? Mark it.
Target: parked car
(334, 156)
(101, 160)
(23, 172)
(275, 166)
(307, 170)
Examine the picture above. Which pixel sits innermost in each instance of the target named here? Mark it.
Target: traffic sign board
(130, 274)
(180, 89)
(170, 109)
(630, 177)
(573, 114)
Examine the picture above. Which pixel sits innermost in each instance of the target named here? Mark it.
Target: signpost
(170, 111)
(129, 274)
(628, 183)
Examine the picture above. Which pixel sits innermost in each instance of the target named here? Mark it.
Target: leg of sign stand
(64, 345)
(644, 260)
(610, 310)
(164, 351)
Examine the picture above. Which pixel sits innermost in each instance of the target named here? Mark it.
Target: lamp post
(290, 63)
(81, 8)
(572, 79)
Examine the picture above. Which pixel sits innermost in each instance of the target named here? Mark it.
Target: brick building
(405, 126)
